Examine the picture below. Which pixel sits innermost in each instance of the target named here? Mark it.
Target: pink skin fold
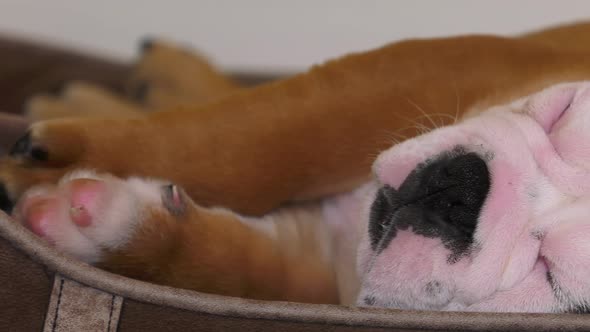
(531, 248)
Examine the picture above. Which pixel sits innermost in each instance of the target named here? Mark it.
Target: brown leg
(573, 36)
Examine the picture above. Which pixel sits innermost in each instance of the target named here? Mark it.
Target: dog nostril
(6, 204)
(382, 210)
(467, 171)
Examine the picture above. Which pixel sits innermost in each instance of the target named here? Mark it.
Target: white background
(272, 35)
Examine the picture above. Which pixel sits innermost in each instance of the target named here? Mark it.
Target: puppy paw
(91, 216)
(50, 149)
(82, 215)
(78, 99)
(49, 143)
(166, 76)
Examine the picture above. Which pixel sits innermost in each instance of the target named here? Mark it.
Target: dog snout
(382, 214)
(440, 198)
(451, 189)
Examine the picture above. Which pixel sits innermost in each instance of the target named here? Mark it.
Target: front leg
(151, 230)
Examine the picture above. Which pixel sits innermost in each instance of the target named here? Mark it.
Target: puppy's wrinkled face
(491, 214)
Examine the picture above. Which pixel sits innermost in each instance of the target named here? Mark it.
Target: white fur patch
(120, 212)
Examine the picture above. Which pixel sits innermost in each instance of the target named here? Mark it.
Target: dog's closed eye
(173, 200)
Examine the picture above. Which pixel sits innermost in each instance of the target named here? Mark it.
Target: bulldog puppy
(304, 138)
(490, 214)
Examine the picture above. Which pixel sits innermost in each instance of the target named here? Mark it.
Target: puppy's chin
(512, 256)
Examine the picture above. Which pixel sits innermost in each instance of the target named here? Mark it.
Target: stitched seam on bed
(61, 287)
(111, 313)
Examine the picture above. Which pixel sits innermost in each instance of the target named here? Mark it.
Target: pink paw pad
(40, 213)
(85, 195)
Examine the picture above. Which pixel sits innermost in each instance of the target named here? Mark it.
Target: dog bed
(40, 289)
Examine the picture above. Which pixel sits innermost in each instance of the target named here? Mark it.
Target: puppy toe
(40, 215)
(25, 147)
(74, 215)
(41, 145)
(46, 214)
(22, 145)
(85, 197)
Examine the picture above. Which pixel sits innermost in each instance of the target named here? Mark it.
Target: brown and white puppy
(489, 214)
(306, 137)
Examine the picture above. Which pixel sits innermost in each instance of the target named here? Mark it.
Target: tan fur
(214, 251)
(79, 99)
(301, 138)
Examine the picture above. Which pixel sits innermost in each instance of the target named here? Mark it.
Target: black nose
(6, 204)
(440, 198)
(449, 181)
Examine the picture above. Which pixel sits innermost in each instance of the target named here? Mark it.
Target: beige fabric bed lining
(228, 306)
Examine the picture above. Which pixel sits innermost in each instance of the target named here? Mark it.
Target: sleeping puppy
(488, 214)
(312, 136)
